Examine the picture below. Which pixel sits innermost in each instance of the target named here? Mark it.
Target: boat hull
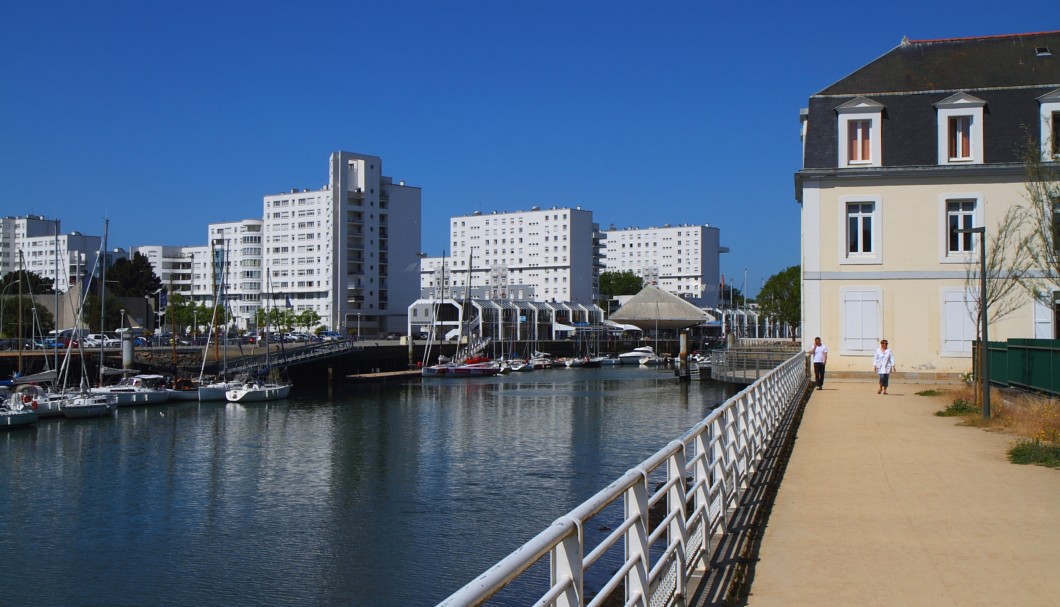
(125, 397)
(184, 395)
(14, 418)
(258, 393)
(90, 405)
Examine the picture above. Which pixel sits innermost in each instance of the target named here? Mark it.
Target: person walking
(883, 364)
(819, 354)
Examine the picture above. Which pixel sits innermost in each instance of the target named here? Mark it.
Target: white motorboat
(256, 391)
(637, 356)
(137, 390)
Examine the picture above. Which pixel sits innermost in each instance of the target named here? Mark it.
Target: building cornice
(914, 172)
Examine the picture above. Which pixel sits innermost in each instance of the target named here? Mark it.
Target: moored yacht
(137, 390)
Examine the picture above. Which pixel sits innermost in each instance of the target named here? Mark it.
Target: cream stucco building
(925, 139)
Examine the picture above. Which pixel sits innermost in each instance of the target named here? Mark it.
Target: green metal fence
(1032, 364)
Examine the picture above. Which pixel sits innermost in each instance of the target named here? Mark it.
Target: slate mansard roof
(1009, 73)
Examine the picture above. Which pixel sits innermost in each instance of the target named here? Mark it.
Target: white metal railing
(661, 535)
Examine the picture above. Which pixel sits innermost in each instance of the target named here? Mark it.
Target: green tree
(781, 297)
(9, 316)
(33, 284)
(308, 319)
(613, 284)
(731, 297)
(133, 278)
(1043, 220)
(112, 314)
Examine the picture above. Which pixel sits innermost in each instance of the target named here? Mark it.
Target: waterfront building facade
(923, 140)
(548, 255)
(683, 260)
(64, 258)
(342, 250)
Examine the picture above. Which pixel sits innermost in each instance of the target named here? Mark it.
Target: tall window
(960, 215)
(1055, 138)
(859, 142)
(1056, 225)
(859, 227)
(960, 138)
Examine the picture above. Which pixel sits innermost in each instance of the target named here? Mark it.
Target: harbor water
(375, 495)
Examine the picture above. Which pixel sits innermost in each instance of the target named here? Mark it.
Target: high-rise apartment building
(683, 260)
(536, 255)
(230, 265)
(343, 250)
(45, 252)
(557, 255)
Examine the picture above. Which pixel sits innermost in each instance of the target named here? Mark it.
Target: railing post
(567, 563)
(701, 479)
(675, 502)
(637, 547)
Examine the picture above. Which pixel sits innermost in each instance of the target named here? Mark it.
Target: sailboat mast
(102, 286)
(55, 289)
(21, 335)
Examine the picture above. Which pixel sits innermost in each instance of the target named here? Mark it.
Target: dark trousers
(818, 374)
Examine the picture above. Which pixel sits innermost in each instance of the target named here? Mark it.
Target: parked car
(330, 335)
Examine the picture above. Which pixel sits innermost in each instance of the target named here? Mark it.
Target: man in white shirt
(819, 353)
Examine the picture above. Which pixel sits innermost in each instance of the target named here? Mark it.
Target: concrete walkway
(883, 503)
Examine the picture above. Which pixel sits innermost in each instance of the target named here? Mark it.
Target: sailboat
(84, 402)
(461, 365)
(258, 390)
(16, 409)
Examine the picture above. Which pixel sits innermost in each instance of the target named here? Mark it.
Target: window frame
(875, 256)
(1049, 107)
(961, 257)
(960, 105)
(859, 111)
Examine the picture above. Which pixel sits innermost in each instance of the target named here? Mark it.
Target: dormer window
(1050, 114)
(960, 138)
(960, 129)
(860, 124)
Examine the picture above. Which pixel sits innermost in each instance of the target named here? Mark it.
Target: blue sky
(167, 116)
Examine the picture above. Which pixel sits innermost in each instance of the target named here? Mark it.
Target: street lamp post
(358, 326)
(984, 355)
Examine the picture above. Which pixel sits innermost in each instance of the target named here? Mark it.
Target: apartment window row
(862, 224)
(862, 322)
(959, 119)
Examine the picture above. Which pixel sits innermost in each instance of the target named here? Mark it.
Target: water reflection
(369, 495)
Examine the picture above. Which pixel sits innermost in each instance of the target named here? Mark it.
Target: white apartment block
(230, 264)
(683, 260)
(45, 252)
(547, 255)
(233, 266)
(344, 250)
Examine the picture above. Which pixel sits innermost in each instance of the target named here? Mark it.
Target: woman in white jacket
(883, 364)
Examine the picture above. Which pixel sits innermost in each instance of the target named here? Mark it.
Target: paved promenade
(883, 503)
